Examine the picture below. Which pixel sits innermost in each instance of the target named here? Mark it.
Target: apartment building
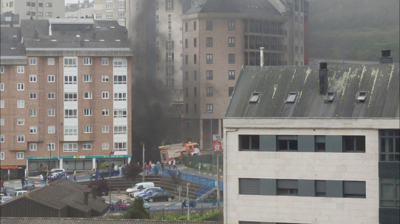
(35, 9)
(110, 10)
(65, 94)
(308, 145)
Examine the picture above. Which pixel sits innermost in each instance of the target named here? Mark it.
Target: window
(1, 69)
(249, 186)
(20, 155)
(287, 187)
(49, 4)
(209, 42)
(291, 97)
(72, 96)
(49, 14)
(231, 25)
(186, 27)
(287, 142)
(70, 130)
(186, 43)
(1, 86)
(86, 146)
(389, 145)
(209, 58)
(32, 146)
(87, 112)
(231, 42)
(231, 74)
(20, 69)
(121, 15)
(254, 98)
(119, 79)
(20, 121)
(105, 146)
(120, 63)
(1, 103)
(87, 78)
(230, 90)
(105, 129)
(120, 146)
(70, 147)
(20, 138)
(186, 59)
(104, 61)
(320, 188)
(319, 143)
(209, 91)
(70, 113)
(390, 192)
(20, 86)
(194, 26)
(119, 96)
(195, 42)
(2, 156)
(104, 95)
(87, 61)
(105, 112)
(249, 142)
(51, 112)
(209, 75)
(194, 59)
(20, 103)
(32, 78)
(170, 83)
(2, 138)
(118, 113)
(32, 113)
(186, 75)
(209, 108)
(51, 96)
(353, 143)
(361, 96)
(32, 95)
(109, 7)
(32, 61)
(72, 79)
(104, 78)
(50, 61)
(87, 129)
(119, 130)
(1, 121)
(98, 16)
(231, 58)
(354, 189)
(28, 13)
(51, 78)
(209, 25)
(51, 129)
(109, 16)
(70, 62)
(87, 95)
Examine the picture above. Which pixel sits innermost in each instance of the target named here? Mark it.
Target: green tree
(132, 170)
(137, 211)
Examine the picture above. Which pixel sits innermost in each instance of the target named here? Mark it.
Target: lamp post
(109, 181)
(50, 148)
(143, 164)
(211, 136)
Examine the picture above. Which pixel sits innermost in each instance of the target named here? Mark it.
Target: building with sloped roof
(62, 198)
(314, 145)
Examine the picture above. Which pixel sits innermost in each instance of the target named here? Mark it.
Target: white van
(19, 193)
(138, 187)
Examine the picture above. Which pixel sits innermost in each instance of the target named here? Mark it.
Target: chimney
(385, 58)
(94, 35)
(81, 43)
(36, 35)
(94, 191)
(261, 56)
(323, 78)
(86, 199)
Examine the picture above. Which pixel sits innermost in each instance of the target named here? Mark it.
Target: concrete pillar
(61, 163)
(93, 163)
(201, 134)
(27, 168)
(129, 160)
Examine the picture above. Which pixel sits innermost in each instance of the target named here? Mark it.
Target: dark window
(195, 42)
(195, 91)
(194, 25)
(231, 25)
(287, 187)
(320, 188)
(186, 43)
(231, 90)
(249, 186)
(186, 59)
(209, 91)
(169, 5)
(231, 58)
(249, 143)
(389, 145)
(231, 42)
(390, 192)
(209, 58)
(187, 108)
(195, 59)
(287, 142)
(353, 143)
(231, 74)
(186, 27)
(320, 143)
(209, 75)
(186, 75)
(354, 189)
(195, 108)
(209, 42)
(209, 108)
(209, 25)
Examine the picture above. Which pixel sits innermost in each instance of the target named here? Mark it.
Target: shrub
(102, 186)
(132, 170)
(137, 211)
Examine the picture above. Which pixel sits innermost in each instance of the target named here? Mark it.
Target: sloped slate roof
(17, 220)
(6, 42)
(381, 81)
(245, 6)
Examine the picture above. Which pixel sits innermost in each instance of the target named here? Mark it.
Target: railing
(204, 189)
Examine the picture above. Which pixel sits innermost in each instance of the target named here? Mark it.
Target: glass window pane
(245, 143)
(390, 145)
(387, 203)
(383, 144)
(387, 191)
(397, 145)
(283, 145)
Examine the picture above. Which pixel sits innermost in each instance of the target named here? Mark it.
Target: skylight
(329, 97)
(291, 97)
(254, 97)
(361, 96)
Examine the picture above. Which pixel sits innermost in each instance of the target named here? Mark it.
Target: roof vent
(254, 97)
(101, 40)
(112, 27)
(291, 97)
(86, 40)
(98, 27)
(329, 97)
(386, 58)
(117, 40)
(78, 35)
(361, 96)
(54, 40)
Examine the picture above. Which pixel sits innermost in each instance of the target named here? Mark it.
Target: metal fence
(195, 179)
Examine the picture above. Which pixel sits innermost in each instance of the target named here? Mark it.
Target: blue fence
(196, 179)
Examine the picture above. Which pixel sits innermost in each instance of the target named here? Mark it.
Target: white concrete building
(308, 146)
(36, 9)
(110, 10)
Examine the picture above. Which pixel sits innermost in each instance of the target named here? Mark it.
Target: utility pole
(143, 164)
(109, 181)
(218, 196)
(188, 202)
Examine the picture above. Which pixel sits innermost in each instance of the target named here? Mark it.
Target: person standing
(2, 183)
(162, 167)
(66, 167)
(22, 182)
(170, 164)
(75, 175)
(174, 164)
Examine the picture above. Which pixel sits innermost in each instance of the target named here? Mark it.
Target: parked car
(19, 193)
(103, 173)
(119, 205)
(5, 199)
(135, 194)
(149, 192)
(159, 196)
(139, 187)
(57, 172)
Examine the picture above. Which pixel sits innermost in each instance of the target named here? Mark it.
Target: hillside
(353, 30)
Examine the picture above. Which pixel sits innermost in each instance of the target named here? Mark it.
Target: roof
(70, 21)
(14, 18)
(274, 83)
(64, 192)
(10, 38)
(237, 6)
(17, 220)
